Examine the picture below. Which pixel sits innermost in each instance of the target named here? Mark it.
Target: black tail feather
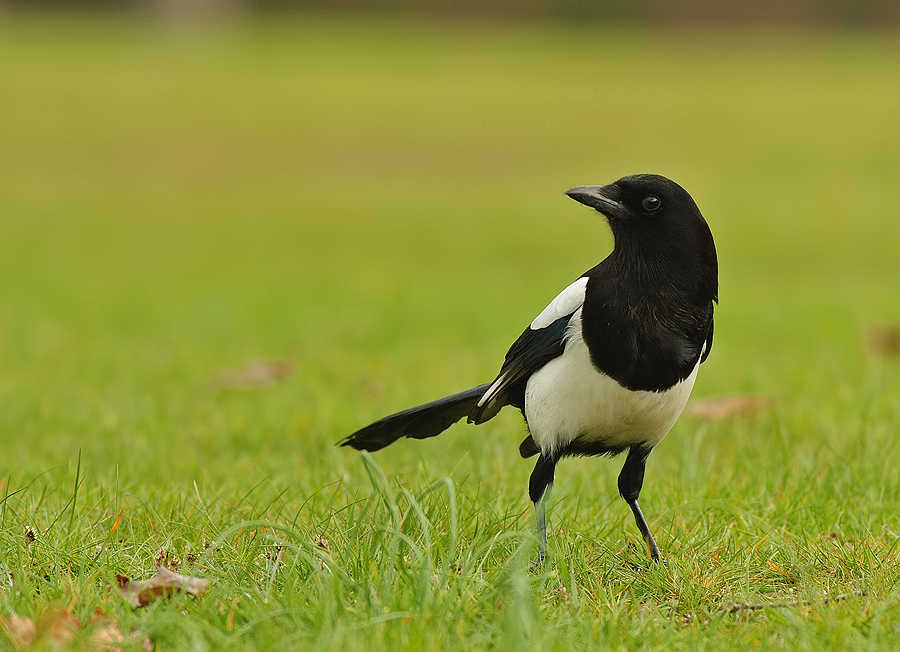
(420, 422)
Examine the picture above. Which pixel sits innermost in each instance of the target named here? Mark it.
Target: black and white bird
(608, 366)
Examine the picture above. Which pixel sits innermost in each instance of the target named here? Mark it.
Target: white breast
(569, 398)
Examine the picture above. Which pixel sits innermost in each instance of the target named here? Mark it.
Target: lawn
(222, 251)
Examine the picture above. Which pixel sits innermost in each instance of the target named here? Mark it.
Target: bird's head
(640, 198)
(653, 218)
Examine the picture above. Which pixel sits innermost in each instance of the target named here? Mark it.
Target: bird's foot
(657, 559)
(654, 561)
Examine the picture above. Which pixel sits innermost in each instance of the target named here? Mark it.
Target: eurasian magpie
(608, 366)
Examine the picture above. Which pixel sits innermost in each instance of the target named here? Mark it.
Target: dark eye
(651, 204)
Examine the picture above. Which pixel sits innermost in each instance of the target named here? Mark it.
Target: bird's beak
(596, 197)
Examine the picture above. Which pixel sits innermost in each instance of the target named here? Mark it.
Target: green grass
(379, 202)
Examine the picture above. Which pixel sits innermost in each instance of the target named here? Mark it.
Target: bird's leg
(539, 490)
(540, 510)
(631, 479)
(650, 542)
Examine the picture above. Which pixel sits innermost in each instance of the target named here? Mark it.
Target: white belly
(569, 399)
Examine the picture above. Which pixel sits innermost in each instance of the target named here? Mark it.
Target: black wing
(533, 349)
(542, 341)
(707, 344)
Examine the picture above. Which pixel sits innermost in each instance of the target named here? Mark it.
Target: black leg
(631, 479)
(539, 491)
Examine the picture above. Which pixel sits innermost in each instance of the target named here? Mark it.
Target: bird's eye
(651, 204)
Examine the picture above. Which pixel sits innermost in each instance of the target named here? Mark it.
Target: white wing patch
(565, 303)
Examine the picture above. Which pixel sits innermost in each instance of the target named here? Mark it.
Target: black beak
(595, 197)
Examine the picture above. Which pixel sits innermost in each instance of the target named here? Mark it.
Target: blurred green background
(364, 196)
(376, 199)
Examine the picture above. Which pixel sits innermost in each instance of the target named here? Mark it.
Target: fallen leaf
(724, 407)
(59, 628)
(107, 632)
(140, 593)
(256, 374)
(21, 631)
(108, 636)
(885, 340)
(56, 627)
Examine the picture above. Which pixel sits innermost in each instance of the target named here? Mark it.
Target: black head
(644, 198)
(654, 219)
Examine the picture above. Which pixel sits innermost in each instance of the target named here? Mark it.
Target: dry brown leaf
(885, 340)
(256, 374)
(22, 632)
(140, 593)
(108, 636)
(59, 628)
(724, 407)
(55, 626)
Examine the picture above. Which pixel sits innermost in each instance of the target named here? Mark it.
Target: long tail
(420, 422)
